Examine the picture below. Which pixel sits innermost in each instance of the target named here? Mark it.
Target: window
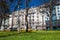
(33, 16)
(59, 17)
(58, 10)
(57, 7)
(32, 19)
(46, 12)
(37, 16)
(54, 17)
(54, 22)
(29, 16)
(46, 18)
(53, 12)
(58, 13)
(23, 24)
(53, 8)
(33, 23)
(37, 19)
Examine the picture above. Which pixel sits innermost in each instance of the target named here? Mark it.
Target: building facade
(55, 17)
(35, 19)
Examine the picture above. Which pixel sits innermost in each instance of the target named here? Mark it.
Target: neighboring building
(55, 17)
(5, 23)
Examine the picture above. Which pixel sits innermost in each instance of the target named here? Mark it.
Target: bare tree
(50, 6)
(27, 8)
(19, 3)
(3, 10)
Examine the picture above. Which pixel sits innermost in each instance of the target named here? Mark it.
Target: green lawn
(38, 35)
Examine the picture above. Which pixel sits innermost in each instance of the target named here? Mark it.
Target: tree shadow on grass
(10, 34)
(14, 34)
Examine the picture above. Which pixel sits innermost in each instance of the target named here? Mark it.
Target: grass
(38, 35)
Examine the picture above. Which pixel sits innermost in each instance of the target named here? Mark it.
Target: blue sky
(31, 4)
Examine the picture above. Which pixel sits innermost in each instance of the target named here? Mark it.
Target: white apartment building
(34, 19)
(14, 19)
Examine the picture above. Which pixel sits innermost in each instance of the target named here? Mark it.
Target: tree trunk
(0, 21)
(42, 22)
(18, 23)
(51, 26)
(8, 21)
(4, 22)
(50, 10)
(26, 20)
(12, 22)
